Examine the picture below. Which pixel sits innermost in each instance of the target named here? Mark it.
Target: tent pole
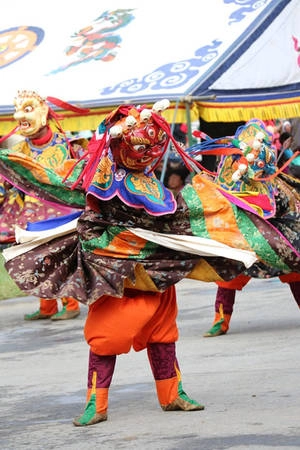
(166, 157)
(188, 123)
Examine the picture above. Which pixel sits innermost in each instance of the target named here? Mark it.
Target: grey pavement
(247, 379)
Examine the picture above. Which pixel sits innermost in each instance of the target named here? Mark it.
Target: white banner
(101, 53)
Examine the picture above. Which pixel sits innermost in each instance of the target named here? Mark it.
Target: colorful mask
(258, 158)
(31, 112)
(137, 140)
(123, 153)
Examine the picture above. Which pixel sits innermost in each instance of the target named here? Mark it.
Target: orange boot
(170, 393)
(100, 373)
(47, 308)
(220, 325)
(224, 303)
(70, 309)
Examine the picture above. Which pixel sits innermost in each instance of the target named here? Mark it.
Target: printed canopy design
(223, 54)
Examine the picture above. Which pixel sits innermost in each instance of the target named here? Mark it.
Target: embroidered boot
(224, 307)
(70, 309)
(100, 373)
(47, 308)
(170, 393)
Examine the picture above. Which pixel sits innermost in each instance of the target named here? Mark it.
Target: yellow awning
(74, 122)
(237, 112)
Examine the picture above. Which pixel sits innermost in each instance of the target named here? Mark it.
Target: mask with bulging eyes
(137, 141)
(31, 112)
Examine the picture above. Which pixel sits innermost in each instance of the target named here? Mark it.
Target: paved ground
(248, 379)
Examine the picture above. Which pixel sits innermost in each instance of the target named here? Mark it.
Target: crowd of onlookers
(286, 141)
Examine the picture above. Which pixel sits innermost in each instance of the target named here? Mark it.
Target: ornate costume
(51, 150)
(132, 244)
(250, 172)
(124, 203)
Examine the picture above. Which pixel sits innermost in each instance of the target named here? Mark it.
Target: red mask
(136, 141)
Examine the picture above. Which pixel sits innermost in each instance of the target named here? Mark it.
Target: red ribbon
(64, 105)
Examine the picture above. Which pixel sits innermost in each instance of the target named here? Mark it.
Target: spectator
(176, 182)
(286, 152)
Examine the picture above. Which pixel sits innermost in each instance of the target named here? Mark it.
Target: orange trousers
(115, 325)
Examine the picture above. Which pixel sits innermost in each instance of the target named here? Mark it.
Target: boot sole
(37, 318)
(67, 316)
(96, 419)
(218, 333)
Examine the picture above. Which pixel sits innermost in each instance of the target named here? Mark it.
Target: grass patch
(8, 288)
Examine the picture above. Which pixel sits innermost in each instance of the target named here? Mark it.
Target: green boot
(37, 315)
(64, 314)
(100, 372)
(90, 415)
(220, 325)
(183, 402)
(164, 365)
